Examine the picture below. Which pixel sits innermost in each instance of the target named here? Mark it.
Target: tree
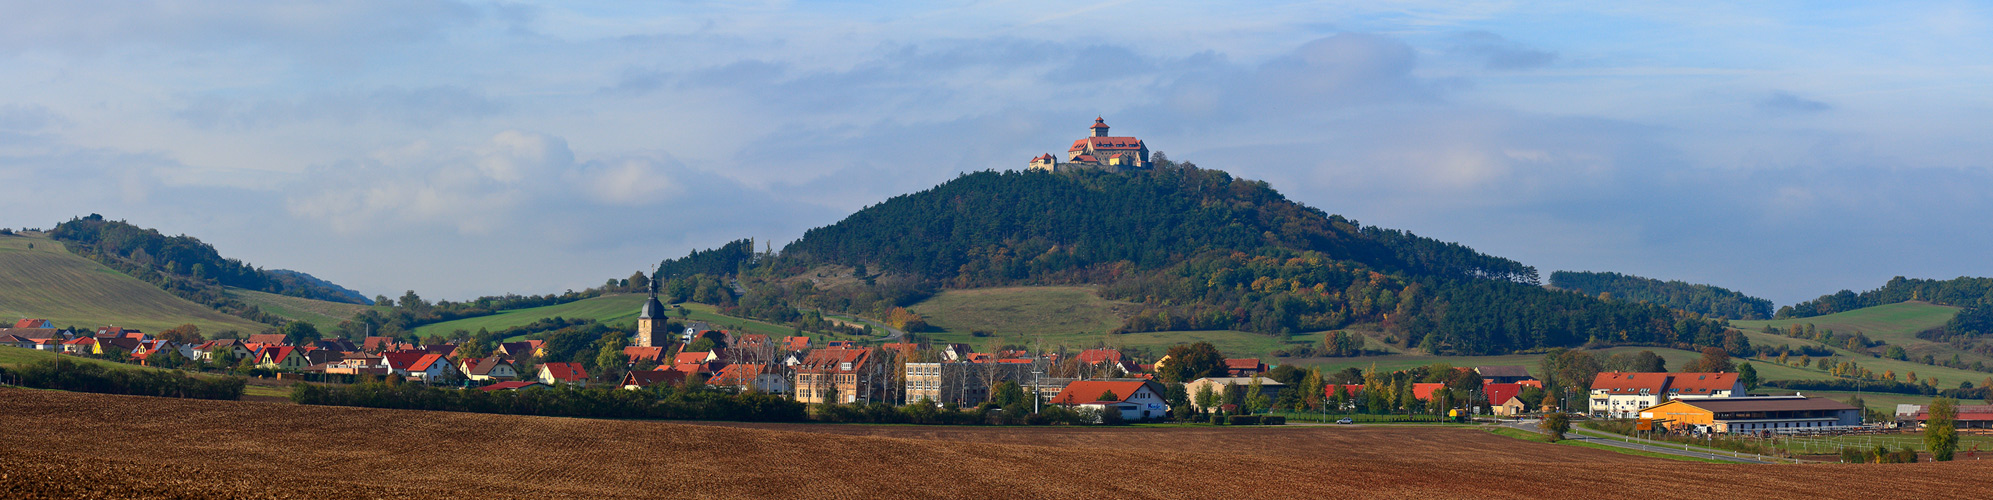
(183, 334)
(1188, 362)
(299, 333)
(1108, 396)
(1941, 429)
(1008, 394)
(1255, 401)
(1713, 360)
(1747, 375)
(1206, 397)
(610, 357)
(1555, 425)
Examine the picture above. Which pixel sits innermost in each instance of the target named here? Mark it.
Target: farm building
(563, 373)
(1969, 416)
(1620, 395)
(1504, 399)
(1752, 414)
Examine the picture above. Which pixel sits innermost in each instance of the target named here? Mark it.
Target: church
(1099, 151)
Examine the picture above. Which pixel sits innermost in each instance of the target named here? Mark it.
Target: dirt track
(65, 445)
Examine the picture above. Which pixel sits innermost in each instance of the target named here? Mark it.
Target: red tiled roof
(402, 360)
(486, 365)
(1630, 383)
(566, 372)
(377, 344)
(795, 343)
(833, 360)
(1107, 144)
(738, 375)
(1423, 391)
(1348, 390)
(1099, 122)
(1500, 393)
(639, 353)
(1088, 391)
(1243, 364)
(1700, 384)
(33, 323)
(694, 357)
(423, 364)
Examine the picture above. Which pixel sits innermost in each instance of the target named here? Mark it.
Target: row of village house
(845, 372)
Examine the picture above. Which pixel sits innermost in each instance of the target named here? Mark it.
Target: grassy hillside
(326, 315)
(1026, 311)
(614, 310)
(51, 283)
(1894, 323)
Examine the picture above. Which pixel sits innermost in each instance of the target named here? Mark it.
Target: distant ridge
(1707, 300)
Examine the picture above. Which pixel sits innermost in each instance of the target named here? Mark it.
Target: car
(1345, 420)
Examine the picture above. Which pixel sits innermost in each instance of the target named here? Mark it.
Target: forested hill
(1197, 250)
(1961, 292)
(185, 265)
(989, 228)
(1704, 299)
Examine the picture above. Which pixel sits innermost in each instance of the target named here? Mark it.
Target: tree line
(66, 375)
(1711, 301)
(184, 261)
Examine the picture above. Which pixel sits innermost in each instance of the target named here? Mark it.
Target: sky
(1781, 149)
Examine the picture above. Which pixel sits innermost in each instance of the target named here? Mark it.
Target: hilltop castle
(1100, 151)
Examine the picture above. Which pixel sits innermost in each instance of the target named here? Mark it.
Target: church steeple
(650, 321)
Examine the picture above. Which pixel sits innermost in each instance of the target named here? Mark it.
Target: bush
(61, 374)
(1244, 420)
(1217, 420)
(1273, 420)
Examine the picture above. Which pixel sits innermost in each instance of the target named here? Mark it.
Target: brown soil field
(70, 445)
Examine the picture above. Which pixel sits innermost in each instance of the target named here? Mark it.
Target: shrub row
(61, 374)
(565, 401)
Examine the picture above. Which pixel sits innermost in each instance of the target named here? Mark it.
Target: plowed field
(67, 445)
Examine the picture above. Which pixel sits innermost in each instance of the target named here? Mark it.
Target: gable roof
(377, 344)
(402, 360)
(833, 360)
(426, 361)
(1763, 403)
(1348, 390)
(1701, 384)
(1096, 356)
(486, 365)
(694, 357)
(31, 333)
(565, 372)
(640, 353)
(1500, 393)
(741, 374)
(1424, 390)
(1107, 144)
(1630, 383)
(795, 343)
(1088, 391)
(34, 323)
(1245, 364)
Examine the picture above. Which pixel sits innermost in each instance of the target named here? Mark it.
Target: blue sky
(1782, 149)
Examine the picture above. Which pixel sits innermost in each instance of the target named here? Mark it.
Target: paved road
(1617, 441)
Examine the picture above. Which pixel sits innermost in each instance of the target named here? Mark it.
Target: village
(1193, 383)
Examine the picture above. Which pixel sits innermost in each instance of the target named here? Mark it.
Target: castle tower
(1099, 127)
(651, 331)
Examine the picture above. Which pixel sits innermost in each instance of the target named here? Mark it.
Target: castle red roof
(1099, 122)
(1109, 143)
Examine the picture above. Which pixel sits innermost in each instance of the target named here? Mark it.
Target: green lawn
(1023, 311)
(1913, 440)
(1540, 438)
(325, 315)
(48, 282)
